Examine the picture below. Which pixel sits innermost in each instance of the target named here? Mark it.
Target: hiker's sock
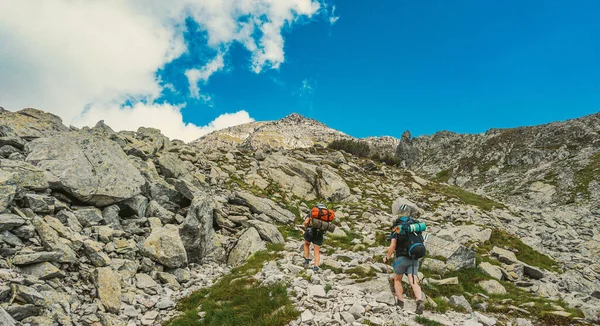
(420, 307)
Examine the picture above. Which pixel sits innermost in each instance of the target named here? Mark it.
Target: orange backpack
(323, 214)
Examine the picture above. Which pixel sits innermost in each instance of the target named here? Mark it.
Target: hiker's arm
(306, 221)
(391, 250)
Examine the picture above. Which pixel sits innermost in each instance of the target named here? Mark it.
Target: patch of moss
(586, 175)
(443, 176)
(361, 272)
(427, 322)
(343, 242)
(238, 299)
(524, 252)
(466, 197)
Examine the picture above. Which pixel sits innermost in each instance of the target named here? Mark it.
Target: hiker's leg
(398, 286)
(317, 255)
(306, 249)
(414, 283)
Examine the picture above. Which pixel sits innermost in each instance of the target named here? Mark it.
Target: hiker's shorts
(405, 265)
(313, 236)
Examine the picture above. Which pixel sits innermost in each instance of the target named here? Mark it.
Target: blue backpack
(409, 237)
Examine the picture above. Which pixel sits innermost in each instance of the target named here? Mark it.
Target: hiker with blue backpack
(408, 245)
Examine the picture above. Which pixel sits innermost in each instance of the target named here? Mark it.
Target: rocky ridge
(552, 165)
(82, 243)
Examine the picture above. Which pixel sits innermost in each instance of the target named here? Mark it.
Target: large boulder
(457, 256)
(196, 231)
(248, 244)
(263, 206)
(305, 180)
(465, 233)
(164, 246)
(331, 186)
(267, 231)
(108, 287)
(93, 169)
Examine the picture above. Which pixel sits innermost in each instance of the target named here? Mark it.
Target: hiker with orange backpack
(317, 223)
(408, 245)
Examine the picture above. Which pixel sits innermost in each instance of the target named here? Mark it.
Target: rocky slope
(551, 165)
(113, 228)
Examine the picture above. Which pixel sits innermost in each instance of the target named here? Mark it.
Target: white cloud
(195, 76)
(165, 117)
(333, 18)
(65, 55)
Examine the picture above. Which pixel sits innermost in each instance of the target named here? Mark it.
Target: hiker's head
(404, 210)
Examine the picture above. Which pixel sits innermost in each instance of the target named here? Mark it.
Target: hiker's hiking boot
(420, 307)
(306, 262)
(400, 303)
(315, 269)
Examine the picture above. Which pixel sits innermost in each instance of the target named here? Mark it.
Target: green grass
(331, 268)
(343, 242)
(584, 177)
(289, 231)
(328, 287)
(427, 322)
(524, 252)
(381, 239)
(360, 272)
(443, 176)
(466, 197)
(238, 299)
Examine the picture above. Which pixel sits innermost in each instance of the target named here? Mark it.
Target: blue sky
(388, 66)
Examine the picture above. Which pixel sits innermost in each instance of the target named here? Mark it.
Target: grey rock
(458, 256)
(491, 270)
(136, 205)
(267, 231)
(596, 294)
(248, 243)
(89, 216)
(7, 151)
(533, 272)
(144, 281)
(20, 312)
(108, 287)
(43, 271)
(196, 232)
(7, 194)
(504, 256)
(94, 251)
(10, 239)
(316, 291)
(154, 209)
(460, 301)
(347, 317)
(26, 231)
(165, 304)
(357, 310)
(38, 257)
(492, 287)
(6, 319)
(10, 221)
(171, 166)
(27, 294)
(30, 123)
(182, 275)
(91, 168)
(264, 206)
(27, 176)
(164, 245)
(39, 203)
(13, 141)
(51, 241)
(110, 215)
